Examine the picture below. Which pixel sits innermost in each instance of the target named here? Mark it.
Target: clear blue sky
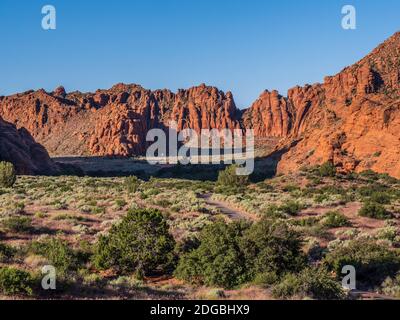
(244, 46)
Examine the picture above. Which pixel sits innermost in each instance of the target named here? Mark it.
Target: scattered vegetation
(115, 236)
(7, 175)
(375, 211)
(17, 224)
(373, 262)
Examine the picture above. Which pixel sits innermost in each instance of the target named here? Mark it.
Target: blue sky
(244, 46)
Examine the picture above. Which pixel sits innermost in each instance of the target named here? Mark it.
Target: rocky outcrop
(270, 116)
(352, 119)
(115, 121)
(18, 147)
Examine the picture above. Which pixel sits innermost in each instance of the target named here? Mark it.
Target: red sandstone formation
(352, 119)
(115, 121)
(19, 148)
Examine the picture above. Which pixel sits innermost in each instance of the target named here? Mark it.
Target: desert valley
(76, 192)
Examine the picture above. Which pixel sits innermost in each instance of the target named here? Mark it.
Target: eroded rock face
(270, 116)
(18, 147)
(115, 121)
(352, 119)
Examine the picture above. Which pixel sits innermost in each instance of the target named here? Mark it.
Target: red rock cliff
(19, 148)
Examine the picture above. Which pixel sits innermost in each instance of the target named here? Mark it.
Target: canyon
(352, 119)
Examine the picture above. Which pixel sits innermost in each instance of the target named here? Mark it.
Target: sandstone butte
(352, 119)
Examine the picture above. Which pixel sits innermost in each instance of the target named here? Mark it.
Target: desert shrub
(120, 203)
(290, 188)
(218, 261)
(6, 252)
(271, 246)
(315, 283)
(14, 281)
(8, 175)
(370, 175)
(291, 208)
(313, 249)
(320, 198)
(380, 197)
(375, 211)
(58, 253)
(273, 212)
(318, 231)
(335, 219)
(97, 210)
(232, 254)
(140, 243)
(266, 279)
(391, 286)
(17, 224)
(18, 208)
(305, 222)
(327, 170)
(230, 182)
(132, 183)
(370, 189)
(372, 261)
(387, 233)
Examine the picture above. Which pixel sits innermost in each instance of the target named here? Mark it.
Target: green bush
(120, 204)
(232, 254)
(335, 219)
(371, 189)
(230, 182)
(375, 211)
(17, 224)
(391, 286)
(291, 208)
(270, 246)
(132, 183)
(266, 279)
(6, 252)
(14, 281)
(372, 261)
(218, 261)
(8, 175)
(58, 252)
(315, 283)
(327, 170)
(140, 243)
(381, 198)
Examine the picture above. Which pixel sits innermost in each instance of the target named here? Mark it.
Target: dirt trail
(365, 295)
(227, 209)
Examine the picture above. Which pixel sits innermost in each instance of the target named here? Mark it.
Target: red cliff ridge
(352, 119)
(115, 121)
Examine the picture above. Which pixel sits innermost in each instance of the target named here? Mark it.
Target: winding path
(227, 209)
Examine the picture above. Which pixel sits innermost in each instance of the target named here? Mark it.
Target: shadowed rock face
(352, 119)
(18, 147)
